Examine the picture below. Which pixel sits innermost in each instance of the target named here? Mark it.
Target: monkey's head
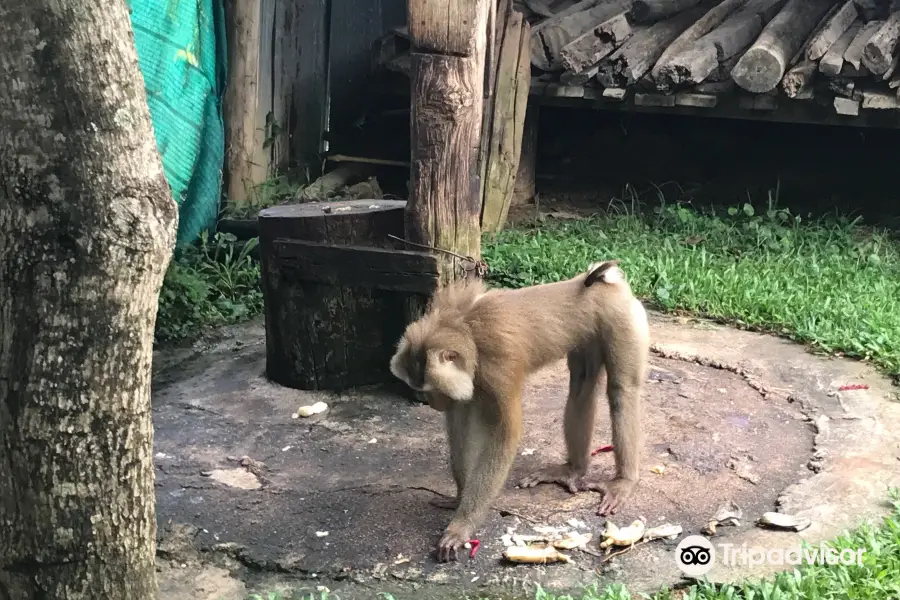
(437, 354)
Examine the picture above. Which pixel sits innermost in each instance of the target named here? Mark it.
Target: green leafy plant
(211, 284)
(278, 189)
(831, 283)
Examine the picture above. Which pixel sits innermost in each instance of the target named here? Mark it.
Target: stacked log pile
(845, 52)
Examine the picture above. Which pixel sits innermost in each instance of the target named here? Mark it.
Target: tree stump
(338, 291)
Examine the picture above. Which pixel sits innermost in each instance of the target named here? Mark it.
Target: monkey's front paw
(561, 474)
(454, 538)
(615, 493)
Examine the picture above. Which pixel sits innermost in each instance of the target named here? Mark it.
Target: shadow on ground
(250, 498)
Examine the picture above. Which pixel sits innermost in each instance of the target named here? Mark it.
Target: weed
(211, 284)
(276, 190)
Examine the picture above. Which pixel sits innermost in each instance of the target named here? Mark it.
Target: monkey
(470, 353)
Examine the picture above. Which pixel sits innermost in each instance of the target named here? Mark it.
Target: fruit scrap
(853, 386)
(658, 469)
(534, 555)
(728, 514)
(778, 520)
(665, 531)
(308, 411)
(572, 541)
(606, 448)
(625, 536)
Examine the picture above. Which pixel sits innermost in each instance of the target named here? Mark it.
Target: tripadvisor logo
(695, 555)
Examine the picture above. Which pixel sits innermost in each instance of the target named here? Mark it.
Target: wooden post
(449, 39)
(506, 117)
(525, 189)
(245, 156)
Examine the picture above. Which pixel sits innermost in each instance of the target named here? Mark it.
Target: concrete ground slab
(342, 499)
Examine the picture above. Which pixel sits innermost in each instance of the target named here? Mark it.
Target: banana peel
(535, 555)
(622, 536)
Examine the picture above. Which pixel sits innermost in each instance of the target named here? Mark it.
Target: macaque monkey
(470, 354)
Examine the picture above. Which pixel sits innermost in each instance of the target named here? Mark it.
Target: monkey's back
(534, 326)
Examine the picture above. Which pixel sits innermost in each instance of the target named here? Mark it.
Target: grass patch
(829, 283)
(211, 284)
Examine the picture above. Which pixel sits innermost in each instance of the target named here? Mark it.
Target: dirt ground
(251, 499)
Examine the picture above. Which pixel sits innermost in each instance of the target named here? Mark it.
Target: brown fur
(471, 352)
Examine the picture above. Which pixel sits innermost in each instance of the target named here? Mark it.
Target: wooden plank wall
(293, 80)
(312, 53)
(355, 25)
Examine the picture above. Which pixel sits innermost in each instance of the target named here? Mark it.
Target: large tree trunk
(87, 226)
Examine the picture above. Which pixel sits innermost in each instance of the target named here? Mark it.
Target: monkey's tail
(600, 272)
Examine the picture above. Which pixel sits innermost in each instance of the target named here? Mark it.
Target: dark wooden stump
(338, 291)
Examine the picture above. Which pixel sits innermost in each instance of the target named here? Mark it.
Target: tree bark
(87, 227)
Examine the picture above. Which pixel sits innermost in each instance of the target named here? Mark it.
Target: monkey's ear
(448, 355)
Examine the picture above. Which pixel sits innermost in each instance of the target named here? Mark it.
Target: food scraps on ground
(727, 514)
(534, 555)
(624, 536)
(310, 410)
(661, 532)
(777, 520)
(658, 469)
(572, 541)
(321, 533)
(606, 448)
(853, 386)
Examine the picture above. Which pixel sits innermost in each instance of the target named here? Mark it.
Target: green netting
(181, 52)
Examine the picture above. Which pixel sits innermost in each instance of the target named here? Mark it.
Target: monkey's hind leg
(626, 360)
(585, 373)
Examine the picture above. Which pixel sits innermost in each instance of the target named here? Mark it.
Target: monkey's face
(427, 361)
(432, 370)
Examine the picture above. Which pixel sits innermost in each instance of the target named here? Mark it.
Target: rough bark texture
(444, 208)
(87, 226)
(832, 30)
(245, 155)
(854, 53)
(550, 36)
(705, 24)
(879, 50)
(637, 55)
(338, 291)
(525, 185)
(510, 99)
(763, 65)
(643, 11)
(831, 63)
(611, 29)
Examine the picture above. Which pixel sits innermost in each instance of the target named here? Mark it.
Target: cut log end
(759, 70)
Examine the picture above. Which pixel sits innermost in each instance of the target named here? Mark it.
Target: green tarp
(181, 52)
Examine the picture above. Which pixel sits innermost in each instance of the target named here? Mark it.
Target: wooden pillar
(525, 189)
(449, 39)
(505, 115)
(245, 156)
